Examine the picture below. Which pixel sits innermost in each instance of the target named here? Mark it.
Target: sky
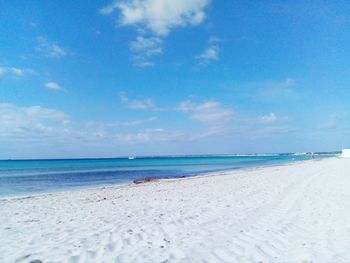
(114, 78)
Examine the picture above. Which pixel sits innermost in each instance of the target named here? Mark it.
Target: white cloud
(132, 123)
(138, 122)
(53, 86)
(17, 72)
(148, 136)
(268, 90)
(208, 112)
(145, 48)
(158, 16)
(29, 122)
(155, 18)
(140, 62)
(211, 52)
(138, 104)
(33, 130)
(150, 45)
(268, 119)
(50, 49)
(36, 125)
(23, 116)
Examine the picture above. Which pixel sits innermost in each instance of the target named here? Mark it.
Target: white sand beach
(291, 213)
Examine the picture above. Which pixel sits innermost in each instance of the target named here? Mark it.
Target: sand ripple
(291, 213)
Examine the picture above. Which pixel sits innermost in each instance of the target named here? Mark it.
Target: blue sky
(152, 77)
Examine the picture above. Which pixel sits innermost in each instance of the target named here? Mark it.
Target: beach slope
(290, 213)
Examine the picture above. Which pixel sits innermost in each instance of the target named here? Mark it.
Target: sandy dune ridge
(290, 213)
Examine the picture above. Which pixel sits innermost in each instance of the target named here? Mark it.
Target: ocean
(28, 177)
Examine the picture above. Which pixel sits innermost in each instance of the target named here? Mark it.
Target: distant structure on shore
(345, 153)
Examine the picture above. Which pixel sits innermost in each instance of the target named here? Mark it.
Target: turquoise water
(26, 177)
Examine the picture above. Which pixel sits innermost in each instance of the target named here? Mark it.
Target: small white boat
(131, 157)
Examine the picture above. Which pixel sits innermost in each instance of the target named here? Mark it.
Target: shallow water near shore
(26, 177)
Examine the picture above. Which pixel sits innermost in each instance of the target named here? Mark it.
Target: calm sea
(26, 177)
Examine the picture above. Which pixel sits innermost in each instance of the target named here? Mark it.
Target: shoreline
(295, 212)
(117, 185)
(178, 156)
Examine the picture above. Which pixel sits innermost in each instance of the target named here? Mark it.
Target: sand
(292, 213)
